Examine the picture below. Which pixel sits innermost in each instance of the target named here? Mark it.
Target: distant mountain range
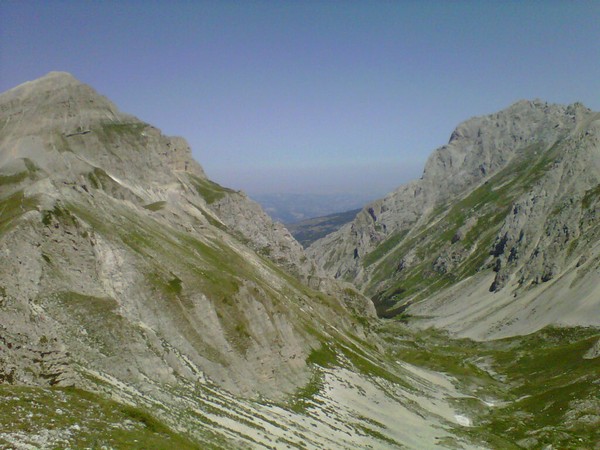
(309, 230)
(293, 208)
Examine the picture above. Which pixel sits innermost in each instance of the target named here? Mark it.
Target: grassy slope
(392, 286)
(67, 417)
(544, 390)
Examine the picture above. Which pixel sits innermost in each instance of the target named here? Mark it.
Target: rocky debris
(49, 363)
(594, 351)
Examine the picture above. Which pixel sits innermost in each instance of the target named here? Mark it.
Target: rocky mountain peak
(512, 195)
(66, 128)
(480, 146)
(50, 81)
(58, 100)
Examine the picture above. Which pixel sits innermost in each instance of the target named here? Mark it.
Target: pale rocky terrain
(126, 272)
(499, 231)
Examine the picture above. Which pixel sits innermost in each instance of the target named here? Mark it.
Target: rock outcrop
(513, 195)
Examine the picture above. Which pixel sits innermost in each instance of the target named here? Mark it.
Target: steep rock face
(513, 195)
(477, 149)
(269, 238)
(117, 248)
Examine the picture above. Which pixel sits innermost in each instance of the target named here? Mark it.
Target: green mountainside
(506, 214)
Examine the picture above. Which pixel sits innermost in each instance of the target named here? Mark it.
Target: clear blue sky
(310, 96)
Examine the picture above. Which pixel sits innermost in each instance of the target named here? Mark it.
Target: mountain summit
(502, 224)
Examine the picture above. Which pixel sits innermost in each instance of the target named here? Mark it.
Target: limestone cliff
(512, 196)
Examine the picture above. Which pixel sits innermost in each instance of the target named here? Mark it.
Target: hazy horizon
(310, 97)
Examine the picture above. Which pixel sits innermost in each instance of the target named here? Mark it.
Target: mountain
(144, 306)
(293, 208)
(499, 237)
(309, 230)
(142, 302)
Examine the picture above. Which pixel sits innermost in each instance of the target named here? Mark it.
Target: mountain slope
(102, 225)
(126, 273)
(500, 227)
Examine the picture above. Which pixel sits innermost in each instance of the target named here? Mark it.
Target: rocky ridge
(513, 197)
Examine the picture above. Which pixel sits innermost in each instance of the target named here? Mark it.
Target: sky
(310, 96)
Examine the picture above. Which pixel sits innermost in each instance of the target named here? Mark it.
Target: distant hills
(308, 231)
(293, 208)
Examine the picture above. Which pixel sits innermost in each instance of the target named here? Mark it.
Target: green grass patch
(545, 391)
(59, 214)
(323, 356)
(382, 249)
(304, 397)
(6, 180)
(13, 207)
(156, 206)
(80, 419)
(99, 179)
(175, 285)
(591, 197)
(209, 190)
(123, 129)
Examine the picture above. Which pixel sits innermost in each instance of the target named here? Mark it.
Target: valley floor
(536, 391)
(417, 389)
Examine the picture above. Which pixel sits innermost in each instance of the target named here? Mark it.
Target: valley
(143, 305)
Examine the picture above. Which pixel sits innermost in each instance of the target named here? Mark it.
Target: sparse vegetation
(6, 180)
(122, 129)
(304, 397)
(386, 246)
(542, 388)
(72, 418)
(209, 190)
(13, 207)
(392, 285)
(156, 206)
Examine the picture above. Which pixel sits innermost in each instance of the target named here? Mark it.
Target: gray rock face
(121, 258)
(513, 194)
